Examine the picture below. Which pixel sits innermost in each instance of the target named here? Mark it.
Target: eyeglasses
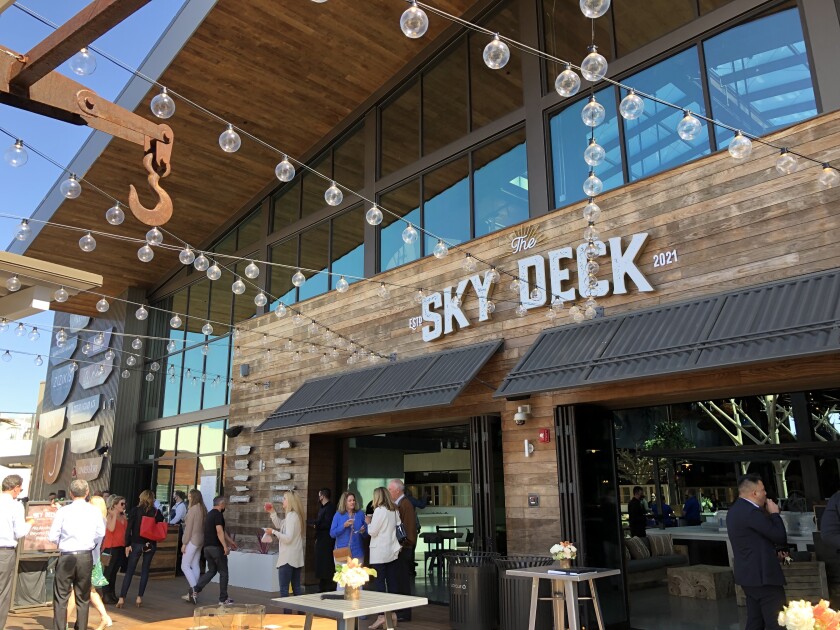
(122, 502)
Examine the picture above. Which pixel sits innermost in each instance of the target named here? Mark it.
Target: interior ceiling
(288, 72)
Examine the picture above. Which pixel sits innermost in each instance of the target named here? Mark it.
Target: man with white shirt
(77, 529)
(179, 508)
(13, 526)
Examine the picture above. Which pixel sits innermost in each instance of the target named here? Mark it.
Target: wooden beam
(99, 17)
(5, 4)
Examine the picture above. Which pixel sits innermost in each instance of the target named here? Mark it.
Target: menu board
(38, 537)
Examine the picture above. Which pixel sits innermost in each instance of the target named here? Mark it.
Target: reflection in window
(243, 305)
(349, 160)
(404, 202)
(172, 388)
(148, 446)
(500, 184)
(250, 230)
(639, 23)
(286, 206)
(280, 286)
(212, 437)
(652, 144)
(184, 475)
(167, 443)
(191, 381)
(445, 99)
(227, 245)
(759, 77)
(314, 254)
(198, 305)
(217, 372)
(347, 247)
(188, 440)
(446, 203)
(314, 186)
(569, 138)
(400, 130)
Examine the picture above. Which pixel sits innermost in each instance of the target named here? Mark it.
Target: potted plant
(352, 577)
(564, 553)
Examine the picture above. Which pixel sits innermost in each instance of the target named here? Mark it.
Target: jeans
(72, 573)
(287, 573)
(217, 562)
(133, 558)
(387, 576)
(117, 562)
(405, 579)
(189, 564)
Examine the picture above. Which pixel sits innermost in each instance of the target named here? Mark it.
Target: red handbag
(153, 530)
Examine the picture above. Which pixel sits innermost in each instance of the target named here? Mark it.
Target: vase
(565, 563)
(351, 592)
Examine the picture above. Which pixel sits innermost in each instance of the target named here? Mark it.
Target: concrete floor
(655, 609)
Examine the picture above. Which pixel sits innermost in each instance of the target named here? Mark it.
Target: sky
(25, 187)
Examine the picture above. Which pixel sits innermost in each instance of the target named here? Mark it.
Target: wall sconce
(529, 448)
(103, 450)
(523, 413)
(234, 431)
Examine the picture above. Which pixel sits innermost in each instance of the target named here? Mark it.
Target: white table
(567, 595)
(347, 611)
(698, 532)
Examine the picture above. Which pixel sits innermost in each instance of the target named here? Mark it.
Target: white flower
(555, 548)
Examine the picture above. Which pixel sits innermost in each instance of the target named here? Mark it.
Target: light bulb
(594, 65)
(115, 215)
(440, 249)
(109, 355)
(145, 254)
(593, 113)
(34, 335)
(514, 285)
(70, 187)
(251, 270)
(24, 231)
(229, 140)
(99, 339)
(171, 346)
(689, 127)
(201, 263)
(631, 106)
(102, 305)
(141, 313)
(297, 319)
(419, 296)
(312, 329)
(594, 154)
(594, 8)
(154, 236)
(592, 268)
(136, 343)
(409, 235)
(591, 211)
(83, 63)
(175, 322)
(740, 147)
(13, 284)
(374, 216)
(469, 264)
(162, 105)
(16, 155)
(490, 306)
(125, 374)
(342, 285)
(186, 256)
(383, 292)
(207, 329)
(205, 349)
(214, 272)
(87, 243)
(281, 310)
(7, 356)
(591, 233)
(333, 195)
(786, 163)
(61, 335)
(20, 331)
(496, 54)
(238, 287)
(260, 299)
(150, 377)
(567, 82)
(521, 311)
(285, 170)
(592, 185)
(61, 295)
(298, 279)
(492, 275)
(155, 366)
(39, 361)
(414, 22)
(829, 176)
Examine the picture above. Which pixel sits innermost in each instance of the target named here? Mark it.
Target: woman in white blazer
(384, 547)
(289, 531)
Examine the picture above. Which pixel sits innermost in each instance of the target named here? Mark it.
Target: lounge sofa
(647, 560)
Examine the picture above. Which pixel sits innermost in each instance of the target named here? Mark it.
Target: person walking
(105, 620)
(13, 526)
(405, 574)
(384, 546)
(217, 546)
(288, 532)
(324, 563)
(114, 545)
(755, 528)
(348, 525)
(77, 530)
(193, 541)
(137, 547)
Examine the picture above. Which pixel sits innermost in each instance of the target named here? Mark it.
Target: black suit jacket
(754, 535)
(830, 523)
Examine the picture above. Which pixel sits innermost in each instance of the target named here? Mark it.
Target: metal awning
(791, 318)
(431, 380)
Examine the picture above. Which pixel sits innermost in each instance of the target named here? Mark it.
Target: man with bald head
(405, 573)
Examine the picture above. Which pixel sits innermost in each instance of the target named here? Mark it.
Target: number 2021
(665, 258)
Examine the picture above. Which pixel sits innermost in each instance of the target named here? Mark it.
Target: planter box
(253, 570)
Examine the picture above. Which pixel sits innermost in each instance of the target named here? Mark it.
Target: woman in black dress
(324, 564)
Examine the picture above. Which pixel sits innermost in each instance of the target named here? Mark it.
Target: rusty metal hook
(162, 211)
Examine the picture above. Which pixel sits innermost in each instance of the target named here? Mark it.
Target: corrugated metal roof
(786, 319)
(428, 381)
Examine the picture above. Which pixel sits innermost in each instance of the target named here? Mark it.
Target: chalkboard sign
(37, 540)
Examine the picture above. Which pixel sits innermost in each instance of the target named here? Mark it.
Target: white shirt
(180, 513)
(13, 523)
(77, 527)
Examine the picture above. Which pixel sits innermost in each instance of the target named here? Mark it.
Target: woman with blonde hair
(289, 532)
(384, 546)
(114, 544)
(193, 539)
(137, 546)
(95, 599)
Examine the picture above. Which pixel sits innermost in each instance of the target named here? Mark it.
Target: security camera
(522, 414)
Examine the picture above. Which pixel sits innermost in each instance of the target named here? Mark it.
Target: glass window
(221, 300)
(243, 305)
(569, 138)
(315, 255)
(349, 160)
(348, 245)
(184, 474)
(404, 202)
(212, 437)
(191, 383)
(446, 203)
(210, 475)
(166, 449)
(500, 183)
(172, 387)
(227, 244)
(314, 186)
(163, 482)
(286, 206)
(400, 130)
(495, 93)
(178, 305)
(188, 440)
(445, 116)
(217, 372)
(281, 287)
(250, 230)
(199, 303)
(759, 77)
(639, 23)
(148, 446)
(651, 140)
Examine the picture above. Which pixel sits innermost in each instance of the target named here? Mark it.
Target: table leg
(572, 605)
(558, 605)
(596, 604)
(390, 620)
(307, 625)
(346, 624)
(535, 593)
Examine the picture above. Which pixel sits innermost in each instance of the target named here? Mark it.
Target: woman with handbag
(193, 540)
(97, 579)
(114, 545)
(384, 546)
(142, 534)
(347, 526)
(289, 532)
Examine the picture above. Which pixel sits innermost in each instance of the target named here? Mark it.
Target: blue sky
(25, 187)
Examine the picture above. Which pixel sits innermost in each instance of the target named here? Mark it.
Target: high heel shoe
(120, 602)
(138, 602)
(379, 623)
(106, 622)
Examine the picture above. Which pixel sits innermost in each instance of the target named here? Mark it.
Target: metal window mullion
(707, 94)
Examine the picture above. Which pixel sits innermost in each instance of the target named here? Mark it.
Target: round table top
(270, 622)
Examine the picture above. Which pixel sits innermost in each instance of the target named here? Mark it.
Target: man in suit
(637, 514)
(755, 528)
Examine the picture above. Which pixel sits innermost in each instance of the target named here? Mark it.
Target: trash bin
(473, 586)
(515, 594)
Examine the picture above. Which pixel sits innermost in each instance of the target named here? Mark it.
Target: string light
(594, 65)
(252, 271)
(175, 322)
(285, 170)
(115, 215)
(83, 63)
(34, 335)
(632, 106)
(162, 105)
(689, 127)
(829, 176)
(201, 263)
(740, 147)
(260, 300)
(593, 113)
(70, 187)
(594, 8)
(16, 155)
(141, 313)
(567, 82)
(87, 243)
(145, 254)
(102, 305)
(229, 140)
(440, 250)
(593, 186)
(61, 295)
(342, 285)
(39, 361)
(786, 163)
(594, 154)
(186, 255)
(496, 54)
(414, 22)
(214, 272)
(207, 329)
(13, 283)
(374, 215)
(24, 231)
(238, 287)
(281, 310)
(154, 237)
(20, 331)
(409, 235)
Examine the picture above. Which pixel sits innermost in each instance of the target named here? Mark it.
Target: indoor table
(347, 611)
(437, 539)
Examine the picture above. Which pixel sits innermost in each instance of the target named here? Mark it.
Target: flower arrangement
(353, 574)
(803, 615)
(563, 551)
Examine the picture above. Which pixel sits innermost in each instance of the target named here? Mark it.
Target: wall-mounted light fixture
(103, 450)
(523, 413)
(234, 431)
(529, 448)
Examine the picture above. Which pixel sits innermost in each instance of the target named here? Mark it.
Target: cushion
(626, 553)
(637, 548)
(661, 545)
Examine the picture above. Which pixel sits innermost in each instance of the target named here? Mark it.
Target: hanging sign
(84, 440)
(53, 456)
(77, 322)
(51, 423)
(81, 411)
(89, 468)
(99, 341)
(61, 382)
(63, 353)
(38, 538)
(95, 373)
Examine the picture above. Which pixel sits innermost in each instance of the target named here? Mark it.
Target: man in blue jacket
(755, 529)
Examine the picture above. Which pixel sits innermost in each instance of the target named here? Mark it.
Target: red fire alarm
(545, 435)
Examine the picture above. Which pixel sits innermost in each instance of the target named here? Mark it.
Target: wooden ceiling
(288, 72)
